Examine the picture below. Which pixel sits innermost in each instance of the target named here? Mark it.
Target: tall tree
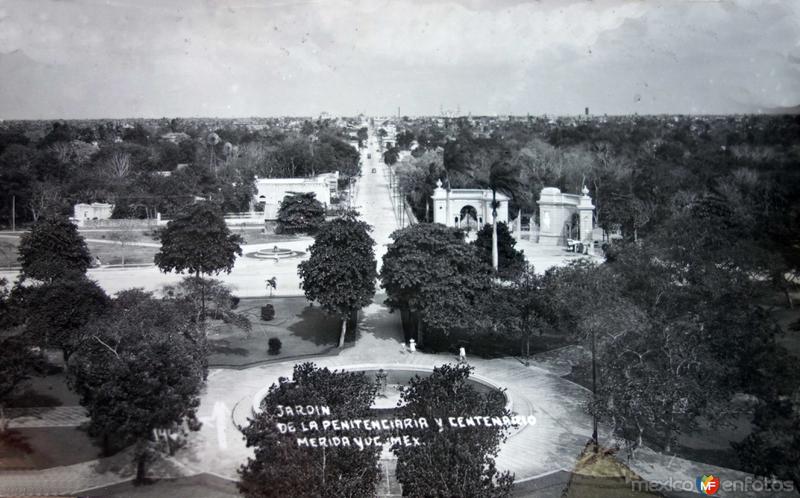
(280, 467)
(530, 307)
(198, 242)
(433, 277)
(363, 135)
(140, 369)
(773, 449)
(52, 249)
(503, 177)
(340, 272)
(216, 295)
(300, 212)
(18, 362)
(57, 312)
(455, 160)
(452, 462)
(510, 261)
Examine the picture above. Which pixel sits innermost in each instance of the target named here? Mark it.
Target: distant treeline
(158, 166)
(644, 172)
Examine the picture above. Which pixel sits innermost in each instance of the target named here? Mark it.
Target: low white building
(271, 191)
(94, 211)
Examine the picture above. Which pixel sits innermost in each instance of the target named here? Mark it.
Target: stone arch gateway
(556, 210)
(460, 199)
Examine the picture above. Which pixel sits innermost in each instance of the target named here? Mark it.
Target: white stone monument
(555, 214)
(463, 201)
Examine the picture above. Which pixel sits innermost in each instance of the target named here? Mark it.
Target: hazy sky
(153, 58)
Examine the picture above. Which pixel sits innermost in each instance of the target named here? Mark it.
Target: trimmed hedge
(267, 312)
(274, 345)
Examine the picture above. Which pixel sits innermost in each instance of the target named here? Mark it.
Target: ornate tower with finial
(586, 210)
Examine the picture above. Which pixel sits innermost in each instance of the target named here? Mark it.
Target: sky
(239, 58)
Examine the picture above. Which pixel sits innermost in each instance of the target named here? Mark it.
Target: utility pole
(13, 213)
(594, 395)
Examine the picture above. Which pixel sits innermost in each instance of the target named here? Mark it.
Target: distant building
(94, 211)
(271, 191)
(175, 137)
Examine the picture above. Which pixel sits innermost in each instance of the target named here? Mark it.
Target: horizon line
(783, 111)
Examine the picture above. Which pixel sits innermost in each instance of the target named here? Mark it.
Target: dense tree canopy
(511, 261)
(281, 467)
(58, 311)
(429, 270)
(155, 166)
(141, 367)
(340, 272)
(207, 297)
(17, 364)
(452, 462)
(773, 449)
(198, 242)
(52, 249)
(300, 212)
(665, 332)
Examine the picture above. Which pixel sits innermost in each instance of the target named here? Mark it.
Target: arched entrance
(479, 202)
(468, 218)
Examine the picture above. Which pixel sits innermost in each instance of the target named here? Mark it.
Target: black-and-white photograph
(385, 248)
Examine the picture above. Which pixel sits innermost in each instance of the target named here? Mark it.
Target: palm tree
(211, 141)
(503, 177)
(454, 161)
(227, 152)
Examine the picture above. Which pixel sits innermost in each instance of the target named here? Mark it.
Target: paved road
(376, 204)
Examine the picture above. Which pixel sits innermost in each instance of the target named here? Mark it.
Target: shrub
(267, 312)
(274, 345)
(234, 302)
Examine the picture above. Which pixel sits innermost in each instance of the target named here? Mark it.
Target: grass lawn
(109, 254)
(302, 330)
(8, 253)
(138, 235)
(112, 254)
(256, 236)
(41, 448)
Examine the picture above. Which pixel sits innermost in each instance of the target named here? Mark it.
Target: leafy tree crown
(198, 241)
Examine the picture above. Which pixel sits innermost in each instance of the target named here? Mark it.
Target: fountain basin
(274, 253)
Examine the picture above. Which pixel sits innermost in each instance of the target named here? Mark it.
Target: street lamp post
(594, 395)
